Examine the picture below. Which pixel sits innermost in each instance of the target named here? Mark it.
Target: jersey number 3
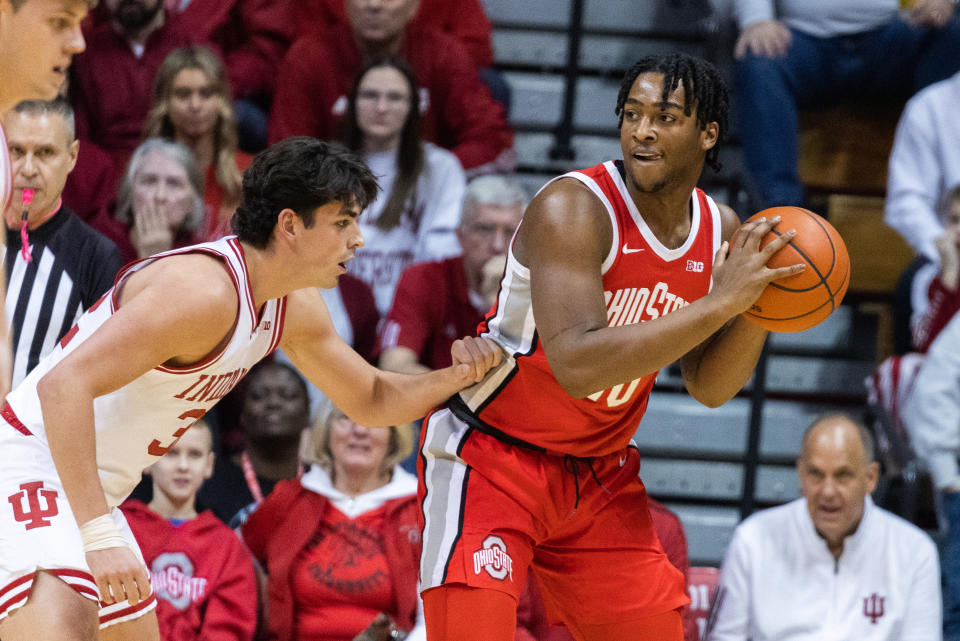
(156, 449)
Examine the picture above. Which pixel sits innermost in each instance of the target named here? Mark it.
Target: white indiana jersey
(6, 173)
(138, 423)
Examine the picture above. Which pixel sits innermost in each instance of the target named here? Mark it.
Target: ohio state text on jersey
(642, 280)
(139, 422)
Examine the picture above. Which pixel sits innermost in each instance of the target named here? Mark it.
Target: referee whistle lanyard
(26, 199)
(253, 484)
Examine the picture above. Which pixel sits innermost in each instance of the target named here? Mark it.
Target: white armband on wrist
(101, 533)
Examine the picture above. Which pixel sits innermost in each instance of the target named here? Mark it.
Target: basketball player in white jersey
(38, 39)
(171, 338)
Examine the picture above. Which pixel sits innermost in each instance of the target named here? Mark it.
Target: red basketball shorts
(492, 510)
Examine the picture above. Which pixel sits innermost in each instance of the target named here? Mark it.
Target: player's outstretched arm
(718, 368)
(564, 238)
(179, 310)
(369, 395)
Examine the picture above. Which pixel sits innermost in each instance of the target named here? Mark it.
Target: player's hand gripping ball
(803, 300)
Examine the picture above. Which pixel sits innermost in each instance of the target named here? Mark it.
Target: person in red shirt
(615, 271)
(436, 301)
(465, 20)
(192, 105)
(201, 572)
(111, 83)
(341, 543)
(458, 111)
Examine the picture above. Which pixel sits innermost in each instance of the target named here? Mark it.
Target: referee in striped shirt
(56, 265)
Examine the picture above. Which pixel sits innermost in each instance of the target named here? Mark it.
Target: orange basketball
(803, 300)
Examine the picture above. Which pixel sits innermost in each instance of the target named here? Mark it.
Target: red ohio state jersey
(642, 280)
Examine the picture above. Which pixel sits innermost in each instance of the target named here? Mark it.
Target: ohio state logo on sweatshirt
(171, 577)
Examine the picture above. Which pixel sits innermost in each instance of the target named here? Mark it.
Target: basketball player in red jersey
(38, 39)
(615, 272)
(171, 338)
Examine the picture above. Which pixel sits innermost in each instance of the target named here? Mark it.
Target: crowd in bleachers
(144, 152)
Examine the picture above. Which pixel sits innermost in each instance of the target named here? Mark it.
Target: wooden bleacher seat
(844, 149)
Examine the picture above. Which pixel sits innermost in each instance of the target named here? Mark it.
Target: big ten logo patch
(492, 558)
(33, 505)
(695, 266)
(172, 579)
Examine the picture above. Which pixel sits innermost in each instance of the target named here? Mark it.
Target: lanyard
(251, 477)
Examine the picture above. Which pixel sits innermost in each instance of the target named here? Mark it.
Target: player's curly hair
(302, 174)
(703, 88)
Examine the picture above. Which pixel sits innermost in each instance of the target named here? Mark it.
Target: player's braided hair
(703, 87)
(302, 174)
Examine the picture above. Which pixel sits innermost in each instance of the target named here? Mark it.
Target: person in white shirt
(830, 566)
(932, 417)
(924, 165)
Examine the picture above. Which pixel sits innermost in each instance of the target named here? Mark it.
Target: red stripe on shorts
(16, 583)
(11, 418)
(128, 611)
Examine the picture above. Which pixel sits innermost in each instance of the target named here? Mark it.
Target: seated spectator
(435, 302)
(111, 82)
(200, 571)
(830, 565)
(924, 161)
(64, 266)
(421, 186)
(161, 198)
(274, 413)
(464, 20)
(458, 112)
(935, 297)
(932, 417)
(252, 35)
(934, 301)
(192, 106)
(341, 545)
(798, 53)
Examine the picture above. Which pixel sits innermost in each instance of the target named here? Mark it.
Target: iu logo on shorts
(873, 607)
(35, 515)
(492, 557)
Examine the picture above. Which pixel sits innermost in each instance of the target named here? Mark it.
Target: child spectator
(201, 572)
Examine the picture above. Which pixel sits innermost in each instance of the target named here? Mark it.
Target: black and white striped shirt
(72, 266)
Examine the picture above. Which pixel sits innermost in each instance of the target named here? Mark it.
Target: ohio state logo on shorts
(492, 558)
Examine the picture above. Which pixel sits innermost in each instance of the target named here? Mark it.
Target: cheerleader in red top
(615, 272)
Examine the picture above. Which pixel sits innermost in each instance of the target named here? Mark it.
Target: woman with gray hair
(342, 542)
(161, 197)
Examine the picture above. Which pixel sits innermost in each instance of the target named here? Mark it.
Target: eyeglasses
(393, 98)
